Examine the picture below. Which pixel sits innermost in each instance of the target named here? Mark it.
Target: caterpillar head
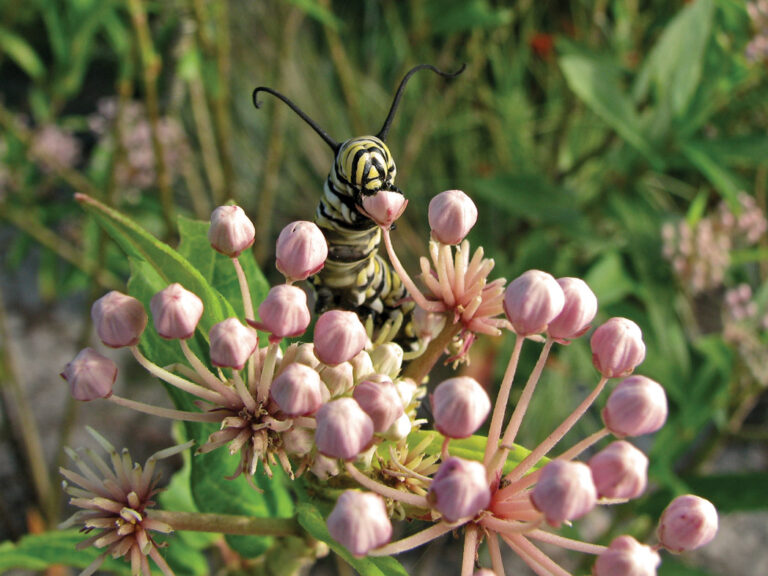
(366, 165)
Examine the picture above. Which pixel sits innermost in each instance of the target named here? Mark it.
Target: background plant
(582, 128)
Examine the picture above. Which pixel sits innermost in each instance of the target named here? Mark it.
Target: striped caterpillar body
(355, 276)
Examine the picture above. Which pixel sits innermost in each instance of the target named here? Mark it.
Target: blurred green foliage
(579, 127)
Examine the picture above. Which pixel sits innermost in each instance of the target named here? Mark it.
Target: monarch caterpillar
(355, 276)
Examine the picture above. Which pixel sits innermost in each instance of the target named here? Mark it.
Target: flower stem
(495, 552)
(267, 371)
(470, 550)
(246, 293)
(517, 415)
(539, 562)
(420, 367)
(227, 523)
(567, 543)
(557, 435)
(208, 377)
(414, 541)
(177, 381)
(164, 412)
(497, 420)
(386, 491)
(413, 290)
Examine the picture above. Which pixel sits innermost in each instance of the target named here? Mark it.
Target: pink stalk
(164, 412)
(185, 371)
(386, 491)
(413, 541)
(267, 371)
(497, 420)
(462, 261)
(444, 268)
(243, 392)
(527, 558)
(522, 406)
(495, 552)
(415, 293)
(536, 555)
(470, 549)
(246, 293)
(177, 381)
(508, 526)
(208, 377)
(160, 561)
(557, 435)
(567, 543)
(305, 422)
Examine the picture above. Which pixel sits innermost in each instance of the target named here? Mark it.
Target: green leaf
(671, 566)
(216, 268)
(18, 50)
(457, 16)
(675, 62)
(40, 551)
(319, 12)
(609, 280)
(472, 448)
(742, 151)
(740, 492)
(313, 522)
(724, 181)
(597, 83)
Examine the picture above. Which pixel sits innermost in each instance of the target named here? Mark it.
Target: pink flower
(231, 231)
(627, 557)
(301, 250)
(232, 344)
(452, 214)
(565, 491)
(343, 429)
(460, 489)
(90, 375)
(119, 319)
(689, 522)
(637, 406)
(579, 310)
(380, 400)
(284, 312)
(617, 347)
(176, 312)
(460, 406)
(532, 301)
(339, 337)
(297, 390)
(619, 471)
(360, 522)
(384, 207)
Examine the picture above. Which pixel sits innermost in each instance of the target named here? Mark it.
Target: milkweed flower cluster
(757, 49)
(701, 254)
(343, 405)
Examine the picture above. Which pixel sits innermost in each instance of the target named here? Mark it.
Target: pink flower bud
(400, 428)
(579, 310)
(617, 347)
(297, 441)
(324, 467)
(176, 312)
(452, 214)
(339, 337)
(387, 359)
(343, 429)
(627, 557)
(301, 250)
(459, 489)
(460, 406)
(532, 301)
(689, 522)
(362, 366)
(484, 572)
(231, 230)
(338, 379)
(637, 406)
(297, 390)
(90, 375)
(619, 471)
(379, 398)
(284, 312)
(119, 319)
(360, 522)
(232, 344)
(565, 491)
(427, 325)
(384, 207)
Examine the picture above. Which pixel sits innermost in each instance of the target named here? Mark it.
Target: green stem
(419, 368)
(228, 523)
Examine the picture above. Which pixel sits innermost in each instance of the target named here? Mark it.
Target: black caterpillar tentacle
(355, 277)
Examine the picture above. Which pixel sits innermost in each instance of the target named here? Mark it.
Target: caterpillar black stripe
(355, 276)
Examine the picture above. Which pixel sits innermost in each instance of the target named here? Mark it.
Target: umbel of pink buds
(452, 214)
(637, 406)
(689, 522)
(532, 301)
(301, 250)
(459, 489)
(232, 344)
(360, 522)
(297, 390)
(343, 429)
(617, 347)
(379, 398)
(619, 471)
(565, 491)
(339, 337)
(90, 375)
(231, 231)
(579, 310)
(384, 207)
(119, 319)
(460, 406)
(627, 557)
(284, 312)
(176, 312)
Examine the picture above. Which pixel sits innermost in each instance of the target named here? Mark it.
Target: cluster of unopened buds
(344, 406)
